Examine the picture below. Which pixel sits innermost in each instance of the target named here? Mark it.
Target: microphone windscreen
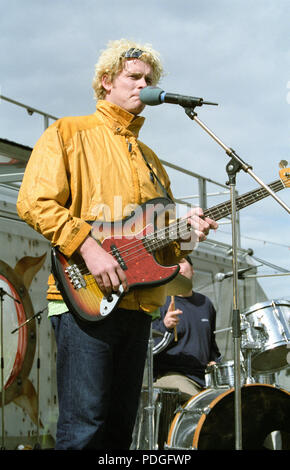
(151, 95)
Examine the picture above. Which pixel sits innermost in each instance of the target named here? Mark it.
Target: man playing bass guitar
(85, 169)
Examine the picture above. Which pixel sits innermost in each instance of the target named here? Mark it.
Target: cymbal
(179, 285)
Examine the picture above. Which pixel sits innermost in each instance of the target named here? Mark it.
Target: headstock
(284, 173)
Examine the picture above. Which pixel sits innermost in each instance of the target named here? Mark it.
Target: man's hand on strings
(200, 225)
(106, 270)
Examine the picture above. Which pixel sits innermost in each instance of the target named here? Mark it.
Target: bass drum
(18, 343)
(207, 421)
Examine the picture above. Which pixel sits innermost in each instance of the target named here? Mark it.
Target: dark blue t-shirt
(196, 345)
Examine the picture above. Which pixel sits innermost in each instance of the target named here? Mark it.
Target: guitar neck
(224, 209)
(178, 229)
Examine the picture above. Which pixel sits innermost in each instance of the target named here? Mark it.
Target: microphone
(221, 276)
(153, 96)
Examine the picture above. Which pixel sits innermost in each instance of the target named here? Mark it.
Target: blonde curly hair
(112, 59)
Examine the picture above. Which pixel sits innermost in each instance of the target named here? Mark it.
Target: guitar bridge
(75, 276)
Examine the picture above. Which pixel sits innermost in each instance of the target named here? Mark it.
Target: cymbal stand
(38, 317)
(232, 168)
(248, 346)
(37, 445)
(2, 294)
(150, 408)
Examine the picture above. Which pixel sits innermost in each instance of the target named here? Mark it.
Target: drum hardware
(248, 341)
(204, 411)
(2, 294)
(166, 402)
(167, 447)
(223, 330)
(281, 326)
(158, 414)
(197, 411)
(248, 345)
(38, 317)
(154, 414)
(151, 406)
(154, 408)
(249, 379)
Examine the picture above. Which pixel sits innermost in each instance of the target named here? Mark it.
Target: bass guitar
(135, 253)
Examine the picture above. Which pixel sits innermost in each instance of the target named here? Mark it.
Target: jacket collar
(120, 120)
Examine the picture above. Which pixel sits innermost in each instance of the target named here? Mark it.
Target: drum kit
(206, 421)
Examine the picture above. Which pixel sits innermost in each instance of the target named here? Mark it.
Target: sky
(233, 52)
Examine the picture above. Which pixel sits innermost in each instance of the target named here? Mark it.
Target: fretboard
(177, 230)
(224, 209)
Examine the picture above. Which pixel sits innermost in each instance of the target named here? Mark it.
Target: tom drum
(270, 329)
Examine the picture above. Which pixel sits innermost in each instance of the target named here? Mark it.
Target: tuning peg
(283, 164)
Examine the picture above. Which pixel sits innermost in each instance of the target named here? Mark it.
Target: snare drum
(207, 421)
(222, 375)
(270, 328)
(18, 347)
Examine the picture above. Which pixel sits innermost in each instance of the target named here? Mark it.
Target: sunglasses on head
(133, 53)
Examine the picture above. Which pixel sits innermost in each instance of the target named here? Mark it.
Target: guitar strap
(153, 175)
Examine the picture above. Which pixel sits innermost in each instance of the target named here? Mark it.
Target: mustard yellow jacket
(77, 171)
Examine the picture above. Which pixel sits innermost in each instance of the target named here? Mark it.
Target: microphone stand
(231, 153)
(37, 315)
(232, 168)
(150, 408)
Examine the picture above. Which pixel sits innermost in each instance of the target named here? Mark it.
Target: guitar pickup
(75, 276)
(118, 257)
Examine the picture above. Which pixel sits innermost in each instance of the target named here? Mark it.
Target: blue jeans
(99, 375)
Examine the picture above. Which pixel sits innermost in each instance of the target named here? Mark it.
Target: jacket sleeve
(43, 200)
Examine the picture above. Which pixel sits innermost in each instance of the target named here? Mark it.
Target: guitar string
(215, 211)
(134, 255)
(162, 234)
(261, 194)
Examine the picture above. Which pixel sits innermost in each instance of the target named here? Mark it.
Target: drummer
(192, 317)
